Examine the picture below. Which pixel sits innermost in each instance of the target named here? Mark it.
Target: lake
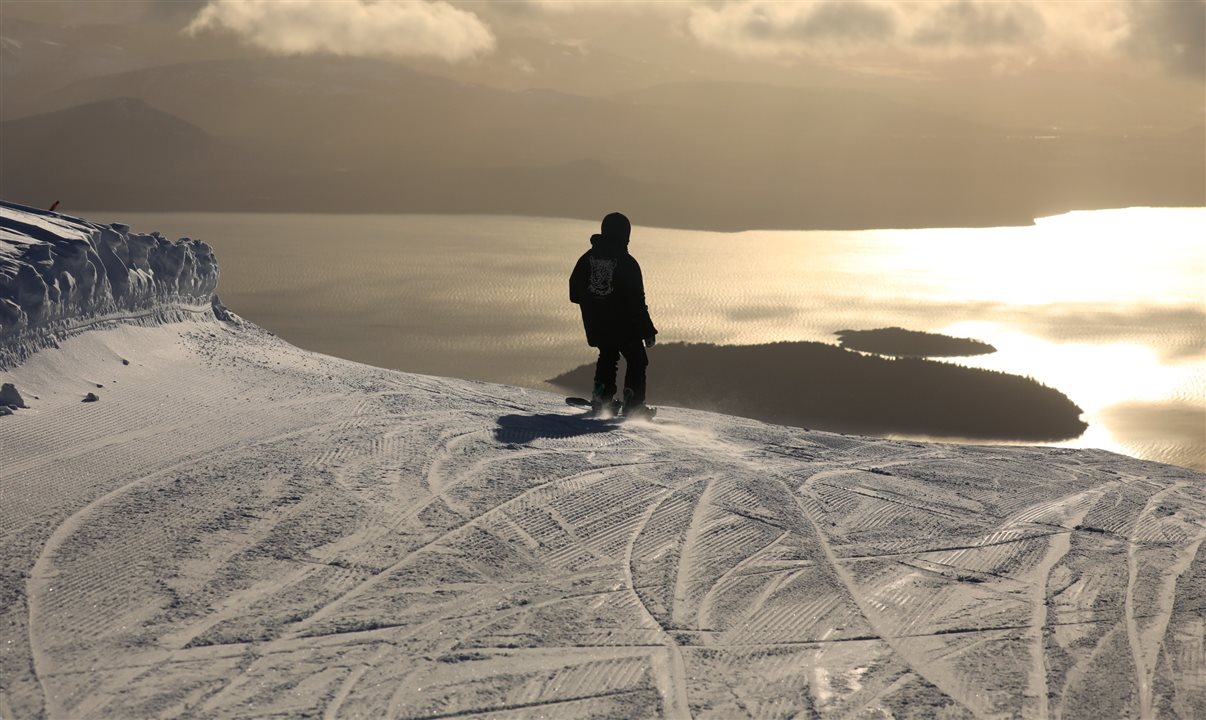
(1107, 306)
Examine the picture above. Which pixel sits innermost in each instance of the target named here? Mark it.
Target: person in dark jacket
(607, 285)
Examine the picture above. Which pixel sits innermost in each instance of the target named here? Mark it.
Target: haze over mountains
(684, 144)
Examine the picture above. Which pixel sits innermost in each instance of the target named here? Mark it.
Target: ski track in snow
(241, 528)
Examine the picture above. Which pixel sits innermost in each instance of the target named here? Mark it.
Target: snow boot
(634, 410)
(603, 403)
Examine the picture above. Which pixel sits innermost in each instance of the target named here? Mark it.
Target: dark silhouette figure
(607, 285)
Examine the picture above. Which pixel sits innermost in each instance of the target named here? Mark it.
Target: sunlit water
(1107, 306)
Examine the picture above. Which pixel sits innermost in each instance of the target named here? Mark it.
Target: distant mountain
(119, 152)
(341, 134)
(35, 57)
(125, 153)
(107, 132)
(347, 110)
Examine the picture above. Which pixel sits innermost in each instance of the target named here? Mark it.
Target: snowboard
(615, 408)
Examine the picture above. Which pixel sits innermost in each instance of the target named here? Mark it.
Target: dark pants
(634, 376)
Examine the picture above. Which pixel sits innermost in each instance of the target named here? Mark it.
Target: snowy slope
(59, 273)
(241, 528)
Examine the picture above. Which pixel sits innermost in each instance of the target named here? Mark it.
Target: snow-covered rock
(58, 273)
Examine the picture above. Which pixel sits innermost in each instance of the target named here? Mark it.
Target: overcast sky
(1017, 107)
(1157, 36)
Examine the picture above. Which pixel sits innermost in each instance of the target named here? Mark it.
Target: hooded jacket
(606, 284)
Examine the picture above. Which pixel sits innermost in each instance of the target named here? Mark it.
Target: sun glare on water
(1068, 302)
(1132, 372)
(1135, 255)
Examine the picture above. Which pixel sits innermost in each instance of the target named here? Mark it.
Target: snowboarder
(606, 284)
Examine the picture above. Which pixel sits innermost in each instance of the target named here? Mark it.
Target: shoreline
(724, 230)
(1020, 222)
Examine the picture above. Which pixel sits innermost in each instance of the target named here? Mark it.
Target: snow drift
(59, 273)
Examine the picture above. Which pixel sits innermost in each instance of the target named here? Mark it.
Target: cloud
(980, 24)
(833, 22)
(174, 9)
(1172, 33)
(771, 28)
(364, 28)
(765, 27)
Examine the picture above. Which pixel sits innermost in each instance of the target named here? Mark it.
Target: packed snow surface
(58, 273)
(240, 528)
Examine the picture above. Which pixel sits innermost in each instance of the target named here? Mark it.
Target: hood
(604, 246)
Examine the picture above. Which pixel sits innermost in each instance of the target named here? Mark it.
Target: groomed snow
(239, 528)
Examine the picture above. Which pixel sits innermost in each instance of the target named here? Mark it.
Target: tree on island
(898, 342)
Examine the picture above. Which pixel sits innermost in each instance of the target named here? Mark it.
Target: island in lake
(814, 385)
(898, 342)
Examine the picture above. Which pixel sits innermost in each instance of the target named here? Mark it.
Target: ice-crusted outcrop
(58, 273)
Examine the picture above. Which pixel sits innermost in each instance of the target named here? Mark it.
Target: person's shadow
(523, 429)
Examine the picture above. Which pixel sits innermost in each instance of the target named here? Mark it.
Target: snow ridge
(60, 275)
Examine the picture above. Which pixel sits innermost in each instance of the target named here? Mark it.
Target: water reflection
(1169, 432)
(1135, 257)
(1108, 307)
(1097, 376)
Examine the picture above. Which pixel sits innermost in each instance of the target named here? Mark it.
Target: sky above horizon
(771, 114)
(1159, 38)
